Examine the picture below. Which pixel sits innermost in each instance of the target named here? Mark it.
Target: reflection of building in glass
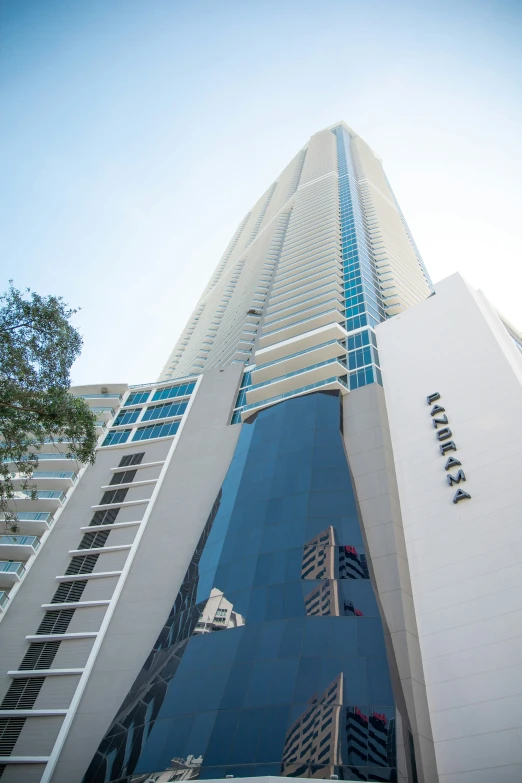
(324, 599)
(324, 558)
(218, 614)
(370, 738)
(319, 556)
(315, 737)
(181, 769)
(352, 565)
(381, 731)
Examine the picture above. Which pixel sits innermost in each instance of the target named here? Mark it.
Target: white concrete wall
(465, 559)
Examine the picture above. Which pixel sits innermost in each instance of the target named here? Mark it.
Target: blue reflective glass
(272, 659)
(156, 431)
(116, 436)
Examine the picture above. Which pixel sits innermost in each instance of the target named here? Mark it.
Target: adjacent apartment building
(299, 552)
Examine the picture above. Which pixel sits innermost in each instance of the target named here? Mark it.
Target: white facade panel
(465, 558)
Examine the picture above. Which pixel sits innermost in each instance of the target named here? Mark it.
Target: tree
(37, 348)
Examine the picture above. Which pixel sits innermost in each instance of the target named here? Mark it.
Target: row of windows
(361, 339)
(367, 375)
(156, 431)
(181, 390)
(164, 411)
(127, 417)
(174, 391)
(142, 433)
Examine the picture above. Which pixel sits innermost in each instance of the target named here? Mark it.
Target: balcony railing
(42, 456)
(33, 522)
(41, 494)
(52, 474)
(32, 541)
(335, 302)
(300, 353)
(4, 598)
(113, 396)
(340, 317)
(35, 516)
(295, 393)
(8, 566)
(298, 372)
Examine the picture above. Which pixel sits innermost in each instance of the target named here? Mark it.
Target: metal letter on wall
(456, 479)
(451, 462)
(460, 495)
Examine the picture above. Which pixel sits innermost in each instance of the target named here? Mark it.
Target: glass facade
(363, 300)
(272, 660)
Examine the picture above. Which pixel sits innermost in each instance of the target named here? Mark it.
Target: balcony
(298, 361)
(10, 573)
(48, 479)
(329, 316)
(306, 284)
(57, 462)
(320, 294)
(282, 318)
(18, 547)
(34, 523)
(4, 598)
(103, 412)
(47, 500)
(99, 396)
(328, 383)
(54, 460)
(295, 380)
(61, 448)
(331, 331)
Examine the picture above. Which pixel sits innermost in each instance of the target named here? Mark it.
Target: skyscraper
(230, 589)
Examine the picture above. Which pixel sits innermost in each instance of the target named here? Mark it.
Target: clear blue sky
(135, 134)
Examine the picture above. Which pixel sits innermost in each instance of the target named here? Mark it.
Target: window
(156, 431)
(22, 693)
(40, 655)
(173, 391)
(10, 730)
(94, 540)
(104, 517)
(113, 496)
(131, 459)
(164, 411)
(116, 436)
(69, 592)
(82, 565)
(136, 397)
(125, 477)
(127, 417)
(56, 622)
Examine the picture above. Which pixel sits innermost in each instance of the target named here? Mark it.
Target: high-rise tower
(325, 245)
(263, 574)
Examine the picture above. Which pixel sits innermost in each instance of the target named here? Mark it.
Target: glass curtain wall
(272, 660)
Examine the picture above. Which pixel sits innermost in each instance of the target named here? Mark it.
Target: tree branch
(21, 408)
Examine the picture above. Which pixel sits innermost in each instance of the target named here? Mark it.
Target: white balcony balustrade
(10, 573)
(18, 547)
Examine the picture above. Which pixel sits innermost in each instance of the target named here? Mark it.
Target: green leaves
(37, 348)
